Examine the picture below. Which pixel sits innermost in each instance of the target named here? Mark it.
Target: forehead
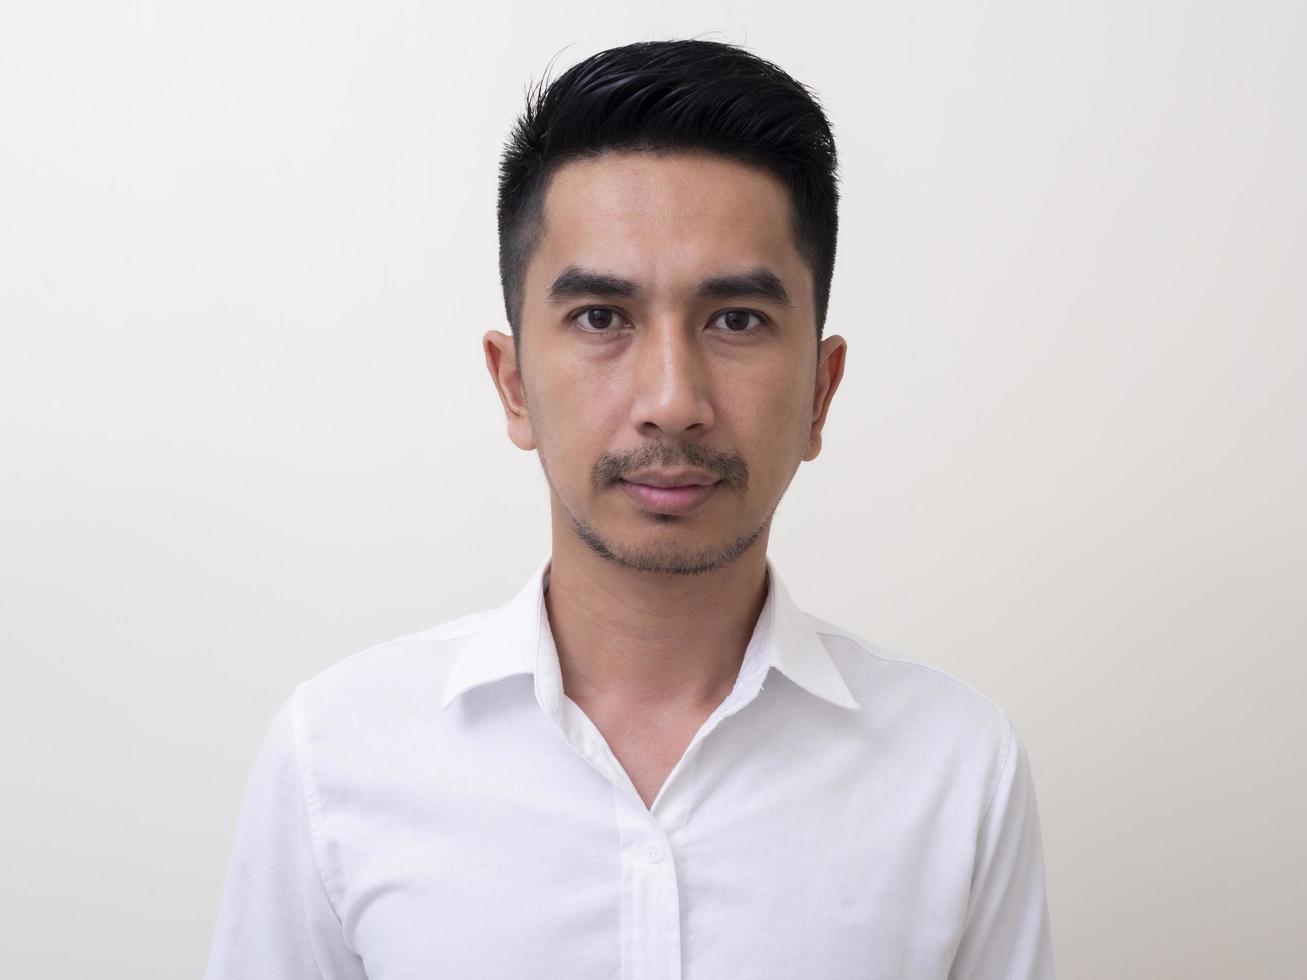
(665, 217)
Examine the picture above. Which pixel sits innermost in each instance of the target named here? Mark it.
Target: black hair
(671, 95)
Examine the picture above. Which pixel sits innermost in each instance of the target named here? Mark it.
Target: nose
(670, 382)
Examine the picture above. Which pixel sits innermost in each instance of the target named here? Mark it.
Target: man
(649, 763)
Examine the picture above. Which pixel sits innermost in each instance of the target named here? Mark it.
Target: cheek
(782, 428)
(772, 409)
(577, 416)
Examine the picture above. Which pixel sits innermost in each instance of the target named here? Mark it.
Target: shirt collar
(515, 639)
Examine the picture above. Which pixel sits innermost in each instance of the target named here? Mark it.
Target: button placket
(651, 904)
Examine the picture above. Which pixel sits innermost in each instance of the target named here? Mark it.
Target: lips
(671, 478)
(667, 500)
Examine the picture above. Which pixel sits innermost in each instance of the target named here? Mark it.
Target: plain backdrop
(247, 254)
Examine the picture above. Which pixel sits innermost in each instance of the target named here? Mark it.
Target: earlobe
(501, 361)
(814, 447)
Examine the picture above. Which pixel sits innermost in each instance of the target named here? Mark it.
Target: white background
(247, 254)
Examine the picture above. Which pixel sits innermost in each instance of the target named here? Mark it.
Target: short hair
(671, 95)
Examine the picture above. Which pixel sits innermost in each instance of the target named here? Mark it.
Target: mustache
(730, 468)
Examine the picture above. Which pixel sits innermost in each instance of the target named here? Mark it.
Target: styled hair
(671, 95)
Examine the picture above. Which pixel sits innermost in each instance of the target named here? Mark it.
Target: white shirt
(436, 807)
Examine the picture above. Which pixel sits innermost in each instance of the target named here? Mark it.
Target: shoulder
(403, 676)
(905, 698)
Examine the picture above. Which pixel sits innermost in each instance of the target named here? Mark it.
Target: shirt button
(653, 851)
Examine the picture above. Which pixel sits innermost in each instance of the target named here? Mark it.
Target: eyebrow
(759, 282)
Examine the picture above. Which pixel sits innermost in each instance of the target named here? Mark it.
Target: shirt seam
(312, 799)
(1002, 767)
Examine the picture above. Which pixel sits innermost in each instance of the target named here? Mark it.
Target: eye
(737, 321)
(597, 319)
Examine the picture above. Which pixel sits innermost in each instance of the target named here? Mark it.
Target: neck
(650, 642)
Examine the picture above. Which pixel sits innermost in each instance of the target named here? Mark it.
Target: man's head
(667, 222)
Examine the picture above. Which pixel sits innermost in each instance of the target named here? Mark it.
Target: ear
(830, 369)
(501, 360)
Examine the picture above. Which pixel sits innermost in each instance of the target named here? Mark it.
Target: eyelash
(762, 320)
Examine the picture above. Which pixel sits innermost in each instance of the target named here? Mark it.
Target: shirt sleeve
(275, 918)
(1007, 936)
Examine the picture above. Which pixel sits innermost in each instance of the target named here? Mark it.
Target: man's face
(668, 325)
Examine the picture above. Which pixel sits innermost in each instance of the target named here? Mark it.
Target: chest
(778, 849)
(542, 868)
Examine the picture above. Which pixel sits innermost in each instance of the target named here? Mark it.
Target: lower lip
(667, 500)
